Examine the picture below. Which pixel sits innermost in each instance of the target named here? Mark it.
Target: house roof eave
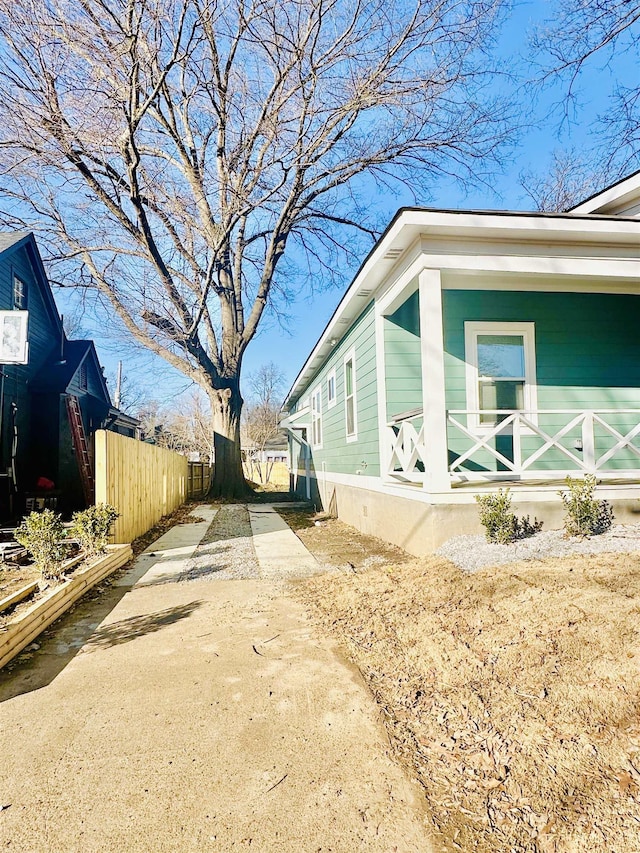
(626, 190)
(11, 242)
(411, 223)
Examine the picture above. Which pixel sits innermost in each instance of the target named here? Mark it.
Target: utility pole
(118, 386)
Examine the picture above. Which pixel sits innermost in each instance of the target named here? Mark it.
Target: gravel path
(226, 552)
(474, 552)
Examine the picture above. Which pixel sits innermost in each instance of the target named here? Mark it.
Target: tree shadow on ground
(138, 626)
(259, 496)
(39, 664)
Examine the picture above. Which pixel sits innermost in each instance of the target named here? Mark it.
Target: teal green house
(476, 350)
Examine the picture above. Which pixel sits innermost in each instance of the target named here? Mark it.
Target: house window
(82, 376)
(350, 396)
(19, 293)
(500, 371)
(316, 417)
(331, 389)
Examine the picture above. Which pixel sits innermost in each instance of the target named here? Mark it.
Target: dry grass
(337, 544)
(513, 693)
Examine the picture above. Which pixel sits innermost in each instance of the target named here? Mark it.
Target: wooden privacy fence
(142, 481)
(199, 480)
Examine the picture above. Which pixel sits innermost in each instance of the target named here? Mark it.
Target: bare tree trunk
(228, 477)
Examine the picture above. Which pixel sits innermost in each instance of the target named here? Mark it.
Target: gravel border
(226, 552)
(473, 552)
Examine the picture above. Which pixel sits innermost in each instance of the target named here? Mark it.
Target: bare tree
(183, 426)
(569, 180)
(169, 152)
(262, 411)
(134, 397)
(578, 35)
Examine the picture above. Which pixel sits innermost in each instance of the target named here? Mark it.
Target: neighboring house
(51, 406)
(275, 449)
(475, 350)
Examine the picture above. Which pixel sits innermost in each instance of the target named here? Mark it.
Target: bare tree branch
(169, 151)
(580, 34)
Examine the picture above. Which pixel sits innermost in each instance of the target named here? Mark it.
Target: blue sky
(549, 130)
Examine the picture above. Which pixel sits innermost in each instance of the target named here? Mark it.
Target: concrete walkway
(198, 716)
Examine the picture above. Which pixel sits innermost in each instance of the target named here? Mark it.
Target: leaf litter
(511, 693)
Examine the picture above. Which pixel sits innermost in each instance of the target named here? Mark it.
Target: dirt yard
(511, 693)
(338, 544)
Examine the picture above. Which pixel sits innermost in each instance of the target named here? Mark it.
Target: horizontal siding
(94, 384)
(337, 454)
(43, 341)
(403, 360)
(41, 332)
(587, 357)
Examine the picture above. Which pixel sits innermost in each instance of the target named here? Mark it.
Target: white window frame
(19, 293)
(316, 417)
(331, 400)
(472, 330)
(351, 357)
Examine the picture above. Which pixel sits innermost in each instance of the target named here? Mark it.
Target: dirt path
(197, 715)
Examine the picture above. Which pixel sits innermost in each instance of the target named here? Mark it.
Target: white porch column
(437, 477)
(383, 438)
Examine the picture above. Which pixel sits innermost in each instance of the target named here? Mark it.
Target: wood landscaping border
(18, 596)
(15, 636)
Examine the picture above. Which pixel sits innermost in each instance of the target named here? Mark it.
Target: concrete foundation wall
(421, 528)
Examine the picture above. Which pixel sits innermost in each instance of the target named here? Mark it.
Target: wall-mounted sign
(14, 348)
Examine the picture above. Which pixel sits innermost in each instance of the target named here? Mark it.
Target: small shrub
(42, 534)
(500, 523)
(92, 525)
(496, 517)
(585, 515)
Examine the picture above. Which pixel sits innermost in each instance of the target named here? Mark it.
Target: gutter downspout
(306, 448)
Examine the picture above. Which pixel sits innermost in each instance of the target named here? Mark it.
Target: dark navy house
(51, 406)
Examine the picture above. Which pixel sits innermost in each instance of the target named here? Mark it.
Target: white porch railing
(588, 442)
(546, 444)
(407, 460)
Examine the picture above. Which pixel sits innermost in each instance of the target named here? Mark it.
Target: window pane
(500, 355)
(500, 395)
(348, 377)
(350, 419)
(19, 293)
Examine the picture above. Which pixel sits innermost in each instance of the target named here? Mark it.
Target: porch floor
(517, 483)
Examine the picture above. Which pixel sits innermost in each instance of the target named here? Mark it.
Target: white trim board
(621, 195)
(350, 357)
(466, 496)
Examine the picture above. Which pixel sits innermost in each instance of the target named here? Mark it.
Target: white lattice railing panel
(590, 442)
(407, 449)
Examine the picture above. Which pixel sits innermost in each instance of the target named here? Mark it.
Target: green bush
(585, 515)
(500, 523)
(42, 534)
(91, 527)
